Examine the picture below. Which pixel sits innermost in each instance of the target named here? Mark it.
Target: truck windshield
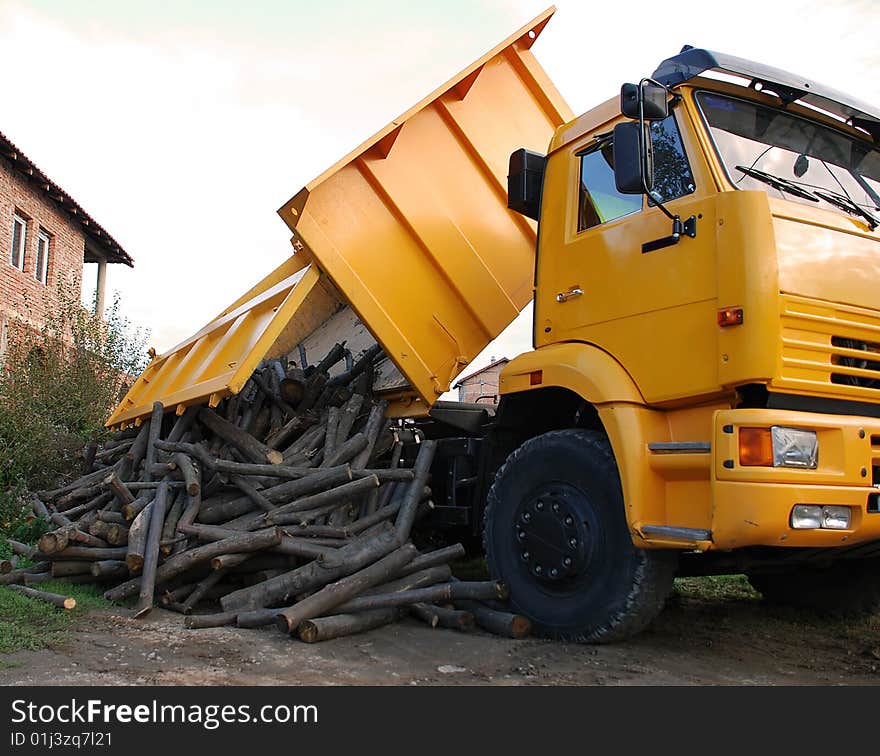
(771, 149)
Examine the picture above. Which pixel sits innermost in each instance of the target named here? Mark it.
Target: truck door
(652, 310)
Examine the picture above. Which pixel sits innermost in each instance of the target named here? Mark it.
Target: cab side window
(600, 202)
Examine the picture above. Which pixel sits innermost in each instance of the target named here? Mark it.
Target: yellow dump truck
(703, 395)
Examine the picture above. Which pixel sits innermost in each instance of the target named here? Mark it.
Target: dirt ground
(693, 642)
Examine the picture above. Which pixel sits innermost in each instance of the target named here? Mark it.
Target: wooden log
(330, 433)
(314, 388)
(108, 517)
(64, 569)
(499, 623)
(169, 528)
(346, 452)
(54, 541)
(89, 452)
(193, 450)
(249, 446)
(289, 489)
(8, 565)
(444, 592)
(159, 470)
(77, 496)
(264, 471)
(339, 625)
(201, 621)
(179, 563)
(252, 493)
(89, 506)
(300, 547)
(74, 535)
(336, 354)
(36, 578)
(191, 477)
(130, 511)
(151, 550)
(226, 561)
(371, 431)
(310, 576)
(119, 489)
(360, 365)
(422, 471)
(438, 616)
(23, 549)
(60, 520)
(116, 535)
(153, 435)
(152, 485)
(201, 590)
(335, 496)
(56, 599)
(348, 414)
(17, 577)
(89, 553)
(331, 596)
(137, 540)
(193, 505)
(39, 508)
(135, 455)
(256, 618)
(183, 423)
(418, 579)
(434, 558)
(293, 428)
(386, 475)
(109, 568)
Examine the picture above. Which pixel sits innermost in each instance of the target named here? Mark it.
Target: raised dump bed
(406, 241)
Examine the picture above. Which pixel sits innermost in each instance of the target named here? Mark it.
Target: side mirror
(525, 181)
(633, 158)
(655, 105)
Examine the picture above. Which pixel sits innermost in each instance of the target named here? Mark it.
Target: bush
(57, 387)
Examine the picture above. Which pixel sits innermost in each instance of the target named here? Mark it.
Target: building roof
(96, 237)
(495, 363)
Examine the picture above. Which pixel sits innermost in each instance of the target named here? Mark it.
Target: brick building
(481, 386)
(45, 237)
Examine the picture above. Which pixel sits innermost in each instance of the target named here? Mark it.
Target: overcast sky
(181, 126)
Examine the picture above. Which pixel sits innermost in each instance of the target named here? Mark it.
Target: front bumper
(752, 505)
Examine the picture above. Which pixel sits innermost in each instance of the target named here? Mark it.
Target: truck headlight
(778, 447)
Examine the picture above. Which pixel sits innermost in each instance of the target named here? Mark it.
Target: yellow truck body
(702, 401)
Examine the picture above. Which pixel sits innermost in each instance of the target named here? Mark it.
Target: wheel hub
(550, 534)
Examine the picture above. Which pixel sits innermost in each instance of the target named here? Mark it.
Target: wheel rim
(555, 535)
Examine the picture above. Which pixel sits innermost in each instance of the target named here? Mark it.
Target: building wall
(483, 387)
(22, 296)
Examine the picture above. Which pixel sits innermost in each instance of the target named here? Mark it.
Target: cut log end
(69, 603)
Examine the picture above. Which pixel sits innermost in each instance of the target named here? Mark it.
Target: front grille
(856, 355)
(829, 350)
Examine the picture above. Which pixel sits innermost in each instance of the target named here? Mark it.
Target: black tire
(848, 588)
(610, 590)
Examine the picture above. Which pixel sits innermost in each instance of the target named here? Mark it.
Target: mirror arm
(689, 227)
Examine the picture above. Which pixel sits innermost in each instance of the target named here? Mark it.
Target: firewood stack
(290, 504)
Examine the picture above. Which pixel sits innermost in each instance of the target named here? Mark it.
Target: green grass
(27, 624)
(716, 588)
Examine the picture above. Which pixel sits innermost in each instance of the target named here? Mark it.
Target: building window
(19, 241)
(41, 269)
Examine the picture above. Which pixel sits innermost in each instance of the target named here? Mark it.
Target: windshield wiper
(783, 185)
(850, 206)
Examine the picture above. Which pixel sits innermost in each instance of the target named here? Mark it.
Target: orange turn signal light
(755, 447)
(536, 378)
(730, 316)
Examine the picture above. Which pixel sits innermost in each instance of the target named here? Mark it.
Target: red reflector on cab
(730, 316)
(536, 377)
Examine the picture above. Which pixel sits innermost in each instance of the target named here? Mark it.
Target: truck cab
(711, 329)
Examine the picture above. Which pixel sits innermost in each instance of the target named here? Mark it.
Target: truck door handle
(564, 296)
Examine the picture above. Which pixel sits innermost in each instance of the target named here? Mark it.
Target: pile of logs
(290, 503)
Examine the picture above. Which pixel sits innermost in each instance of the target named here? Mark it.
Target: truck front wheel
(848, 588)
(555, 532)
